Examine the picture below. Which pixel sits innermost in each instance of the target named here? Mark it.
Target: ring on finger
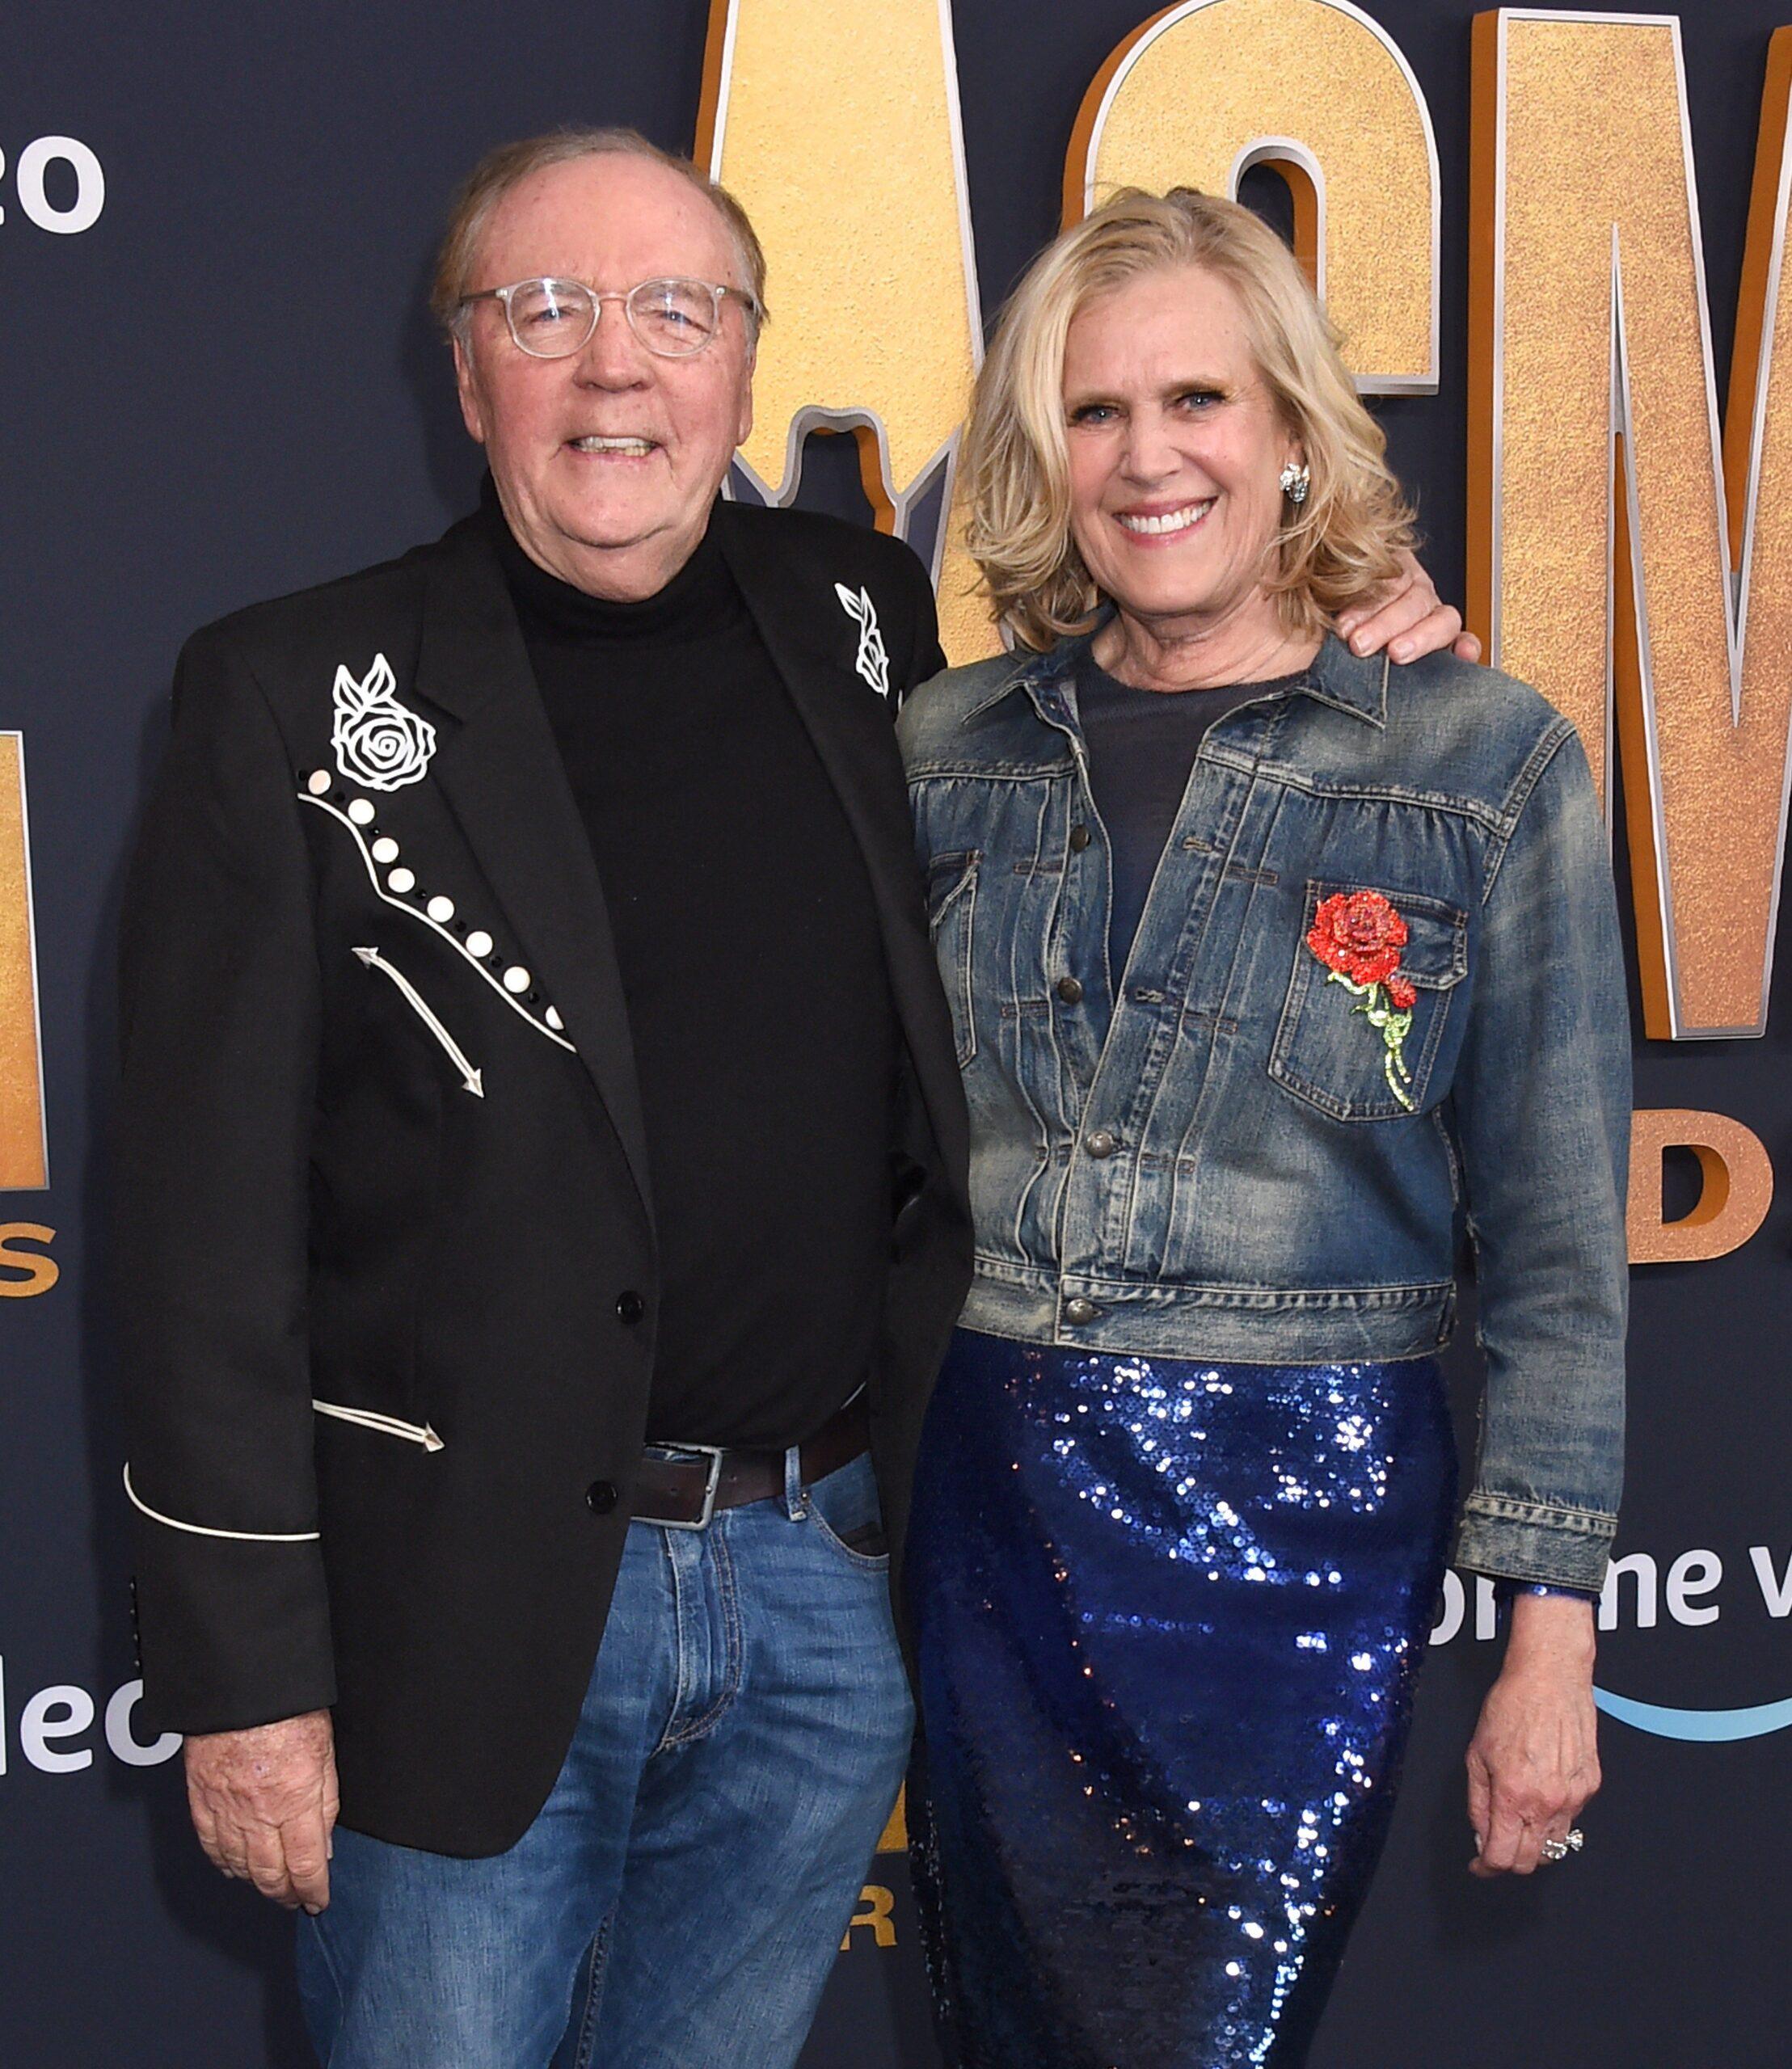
(1571, 1842)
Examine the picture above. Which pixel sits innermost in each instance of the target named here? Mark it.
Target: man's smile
(628, 448)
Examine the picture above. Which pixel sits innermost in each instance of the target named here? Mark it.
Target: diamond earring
(1294, 481)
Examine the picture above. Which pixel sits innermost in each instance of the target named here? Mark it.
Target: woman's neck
(1246, 644)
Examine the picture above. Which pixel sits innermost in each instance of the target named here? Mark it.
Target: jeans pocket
(845, 1510)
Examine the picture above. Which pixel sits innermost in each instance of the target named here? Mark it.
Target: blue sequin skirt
(1169, 1616)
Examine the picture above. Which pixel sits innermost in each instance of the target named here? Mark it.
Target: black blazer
(386, 1246)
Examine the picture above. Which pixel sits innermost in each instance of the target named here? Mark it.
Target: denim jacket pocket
(1328, 1052)
(952, 910)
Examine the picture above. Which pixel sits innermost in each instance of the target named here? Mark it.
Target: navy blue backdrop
(226, 387)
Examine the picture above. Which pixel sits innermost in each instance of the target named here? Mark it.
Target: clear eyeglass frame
(653, 308)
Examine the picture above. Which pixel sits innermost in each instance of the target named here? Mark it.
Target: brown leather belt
(684, 1491)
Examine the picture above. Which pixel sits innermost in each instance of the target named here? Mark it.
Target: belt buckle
(714, 1454)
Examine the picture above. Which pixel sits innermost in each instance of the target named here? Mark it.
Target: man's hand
(1408, 619)
(1534, 1760)
(265, 1805)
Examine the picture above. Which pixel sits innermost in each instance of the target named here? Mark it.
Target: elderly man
(542, 1162)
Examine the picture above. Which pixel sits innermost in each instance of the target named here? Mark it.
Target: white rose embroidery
(377, 742)
(872, 662)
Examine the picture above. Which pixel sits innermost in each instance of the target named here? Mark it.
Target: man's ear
(466, 385)
(744, 429)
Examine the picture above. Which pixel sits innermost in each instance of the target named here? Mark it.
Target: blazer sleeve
(926, 657)
(219, 1011)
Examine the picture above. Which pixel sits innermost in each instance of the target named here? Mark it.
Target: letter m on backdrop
(1633, 564)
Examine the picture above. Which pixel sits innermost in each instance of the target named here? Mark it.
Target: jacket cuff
(1529, 1541)
(230, 1634)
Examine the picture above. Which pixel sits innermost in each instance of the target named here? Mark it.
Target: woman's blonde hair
(1332, 548)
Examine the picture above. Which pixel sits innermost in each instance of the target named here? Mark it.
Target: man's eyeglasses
(553, 319)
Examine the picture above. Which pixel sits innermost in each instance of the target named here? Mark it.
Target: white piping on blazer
(459, 947)
(205, 1530)
(387, 1425)
(457, 1056)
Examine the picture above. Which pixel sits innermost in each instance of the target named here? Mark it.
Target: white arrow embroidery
(469, 1077)
(388, 1426)
(379, 743)
(873, 663)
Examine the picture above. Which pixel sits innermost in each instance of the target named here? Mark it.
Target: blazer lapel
(501, 774)
(810, 641)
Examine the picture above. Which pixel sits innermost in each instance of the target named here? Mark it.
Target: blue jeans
(697, 1862)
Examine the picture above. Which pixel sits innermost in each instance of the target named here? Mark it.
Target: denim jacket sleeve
(1542, 1119)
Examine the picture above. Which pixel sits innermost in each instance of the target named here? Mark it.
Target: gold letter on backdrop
(24, 1158)
(1599, 565)
(876, 1909)
(895, 1838)
(1733, 1201)
(36, 1272)
(1201, 92)
(837, 127)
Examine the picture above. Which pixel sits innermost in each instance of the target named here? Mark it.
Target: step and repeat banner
(1553, 239)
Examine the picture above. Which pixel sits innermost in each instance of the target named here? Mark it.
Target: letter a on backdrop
(1601, 549)
(24, 1157)
(837, 127)
(1200, 93)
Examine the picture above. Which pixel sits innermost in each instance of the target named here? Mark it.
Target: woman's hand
(1409, 619)
(1534, 1760)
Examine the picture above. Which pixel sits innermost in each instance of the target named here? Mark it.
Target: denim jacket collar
(1354, 683)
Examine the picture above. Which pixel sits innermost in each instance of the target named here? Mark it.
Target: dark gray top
(1142, 744)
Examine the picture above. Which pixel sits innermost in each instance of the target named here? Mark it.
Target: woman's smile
(1168, 525)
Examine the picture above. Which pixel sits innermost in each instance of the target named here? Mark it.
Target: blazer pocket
(951, 916)
(472, 1080)
(1329, 1052)
(385, 1425)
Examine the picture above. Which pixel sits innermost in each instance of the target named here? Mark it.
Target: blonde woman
(1267, 962)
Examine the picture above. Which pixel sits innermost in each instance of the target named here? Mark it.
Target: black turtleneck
(753, 971)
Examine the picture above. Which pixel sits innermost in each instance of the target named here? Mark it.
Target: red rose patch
(1357, 935)
(1360, 934)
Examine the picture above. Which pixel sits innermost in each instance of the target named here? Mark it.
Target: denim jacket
(1210, 1155)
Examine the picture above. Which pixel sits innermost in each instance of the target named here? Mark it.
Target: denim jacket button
(1069, 989)
(1100, 1144)
(1080, 1310)
(1080, 838)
